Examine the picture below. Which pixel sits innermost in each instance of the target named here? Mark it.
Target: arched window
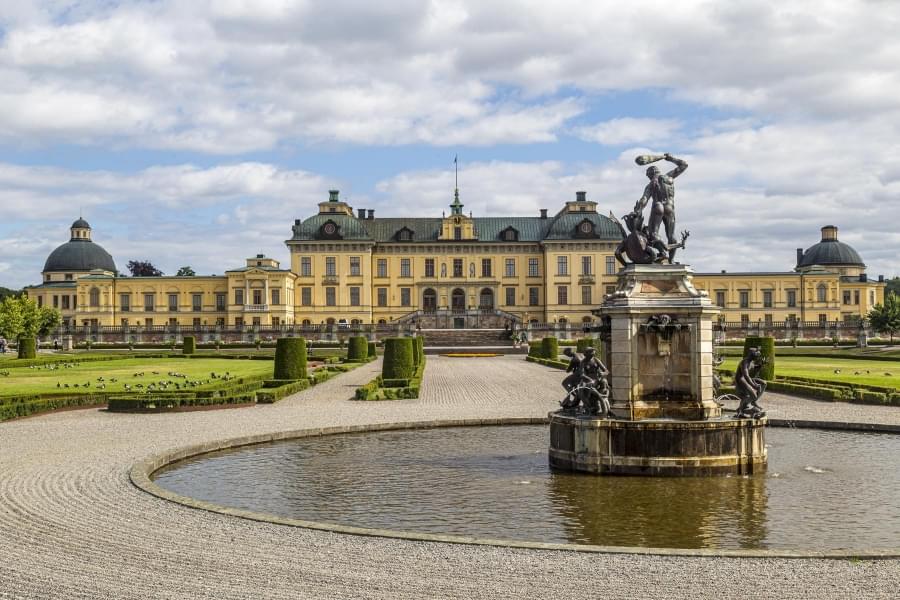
(429, 301)
(355, 322)
(563, 321)
(382, 322)
(306, 322)
(822, 293)
(585, 319)
(458, 300)
(486, 299)
(95, 297)
(329, 321)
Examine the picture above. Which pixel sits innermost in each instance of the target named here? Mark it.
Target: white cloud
(628, 130)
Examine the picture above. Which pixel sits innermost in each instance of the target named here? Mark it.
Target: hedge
(398, 358)
(550, 348)
(154, 403)
(418, 349)
(189, 346)
(23, 407)
(372, 352)
(357, 348)
(270, 395)
(556, 364)
(27, 347)
(290, 358)
(397, 388)
(766, 347)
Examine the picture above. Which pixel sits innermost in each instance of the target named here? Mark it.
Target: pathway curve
(73, 526)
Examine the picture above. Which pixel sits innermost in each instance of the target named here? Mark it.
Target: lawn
(859, 371)
(127, 371)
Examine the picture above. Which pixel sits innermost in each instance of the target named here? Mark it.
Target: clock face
(586, 227)
(329, 228)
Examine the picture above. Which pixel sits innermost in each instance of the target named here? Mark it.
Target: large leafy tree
(143, 268)
(885, 318)
(185, 272)
(22, 317)
(893, 286)
(4, 292)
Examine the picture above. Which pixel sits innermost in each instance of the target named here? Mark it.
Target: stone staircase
(468, 340)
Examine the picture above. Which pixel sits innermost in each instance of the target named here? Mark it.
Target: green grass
(824, 369)
(881, 352)
(40, 380)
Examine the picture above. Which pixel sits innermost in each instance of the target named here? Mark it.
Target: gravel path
(73, 526)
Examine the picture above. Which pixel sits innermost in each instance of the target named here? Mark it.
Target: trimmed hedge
(418, 349)
(357, 348)
(382, 388)
(190, 345)
(290, 358)
(399, 362)
(25, 406)
(270, 395)
(371, 351)
(154, 403)
(27, 347)
(766, 347)
(556, 364)
(550, 348)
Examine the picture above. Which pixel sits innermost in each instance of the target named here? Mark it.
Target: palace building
(452, 271)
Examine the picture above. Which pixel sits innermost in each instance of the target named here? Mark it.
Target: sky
(194, 133)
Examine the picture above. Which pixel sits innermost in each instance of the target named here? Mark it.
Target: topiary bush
(357, 349)
(27, 347)
(550, 348)
(372, 352)
(766, 347)
(190, 345)
(290, 358)
(418, 349)
(398, 358)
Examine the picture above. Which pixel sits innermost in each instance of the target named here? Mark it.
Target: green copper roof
(831, 252)
(79, 255)
(428, 229)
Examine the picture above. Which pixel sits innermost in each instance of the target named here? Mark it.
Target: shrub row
(556, 364)
(402, 371)
(12, 408)
(159, 403)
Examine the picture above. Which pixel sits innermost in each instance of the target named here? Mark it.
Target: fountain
(657, 332)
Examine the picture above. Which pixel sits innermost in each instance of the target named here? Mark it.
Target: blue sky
(195, 133)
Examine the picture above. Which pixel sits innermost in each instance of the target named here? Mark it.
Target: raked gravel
(73, 526)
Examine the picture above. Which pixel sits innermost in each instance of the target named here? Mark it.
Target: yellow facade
(358, 269)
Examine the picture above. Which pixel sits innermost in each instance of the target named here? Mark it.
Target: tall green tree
(893, 286)
(885, 318)
(143, 268)
(20, 316)
(185, 272)
(5, 292)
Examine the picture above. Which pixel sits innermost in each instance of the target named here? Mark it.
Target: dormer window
(330, 230)
(510, 234)
(585, 229)
(405, 234)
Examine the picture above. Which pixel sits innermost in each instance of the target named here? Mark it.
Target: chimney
(371, 212)
(361, 213)
(799, 255)
(333, 195)
(296, 221)
(580, 196)
(881, 279)
(543, 213)
(863, 278)
(829, 233)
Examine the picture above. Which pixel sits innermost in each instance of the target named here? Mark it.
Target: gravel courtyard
(73, 526)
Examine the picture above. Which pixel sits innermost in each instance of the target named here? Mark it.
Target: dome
(79, 255)
(81, 224)
(830, 252)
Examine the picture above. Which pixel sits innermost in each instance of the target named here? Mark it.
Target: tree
(21, 317)
(143, 268)
(885, 318)
(5, 292)
(893, 286)
(185, 272)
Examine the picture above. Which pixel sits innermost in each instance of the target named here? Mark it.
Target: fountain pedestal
(665, 419)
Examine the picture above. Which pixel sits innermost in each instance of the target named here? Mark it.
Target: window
(258, 297)
(823, 320)
(306, 296)
(220, 321)
(40, 301)
(330, 296)
(276, 297)
(534, 296)
(381, 268)
(457, 267)
(95, 297)
(239, 296)
(354, 296)
(586, 294)
(510, 235)
(148, 323)
(610, 265)
(306, 266)
(533, 270)
(792, 298)
(745, 320)
(821, 293)
(562, 265)
(55, 301)
(238, 322)
(855, 296)
(429, 267)
(65, 303)
(405, 296)
(846, 296)
(195, 322)
(173, 322)
(767, 298)
(276, 322)
(196, 302)
(744, 299)
(457, 233)
(405, 268)
(768, 320)
(220, 302)
(124, 302)
(123, 322)
(330, 266)
(562, 294)
(510, 296)
(68, 277)
(720, 298)
(382, 296)
(173, 302)
(585, 265)
(74, 302)
(510, 269)
(871, 298)
(355, 270)
(148, 302)
(486, 267)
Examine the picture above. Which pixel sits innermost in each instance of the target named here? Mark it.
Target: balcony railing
(256, 307)
(330, 280)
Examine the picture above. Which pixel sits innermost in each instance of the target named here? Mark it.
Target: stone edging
(141, 471)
